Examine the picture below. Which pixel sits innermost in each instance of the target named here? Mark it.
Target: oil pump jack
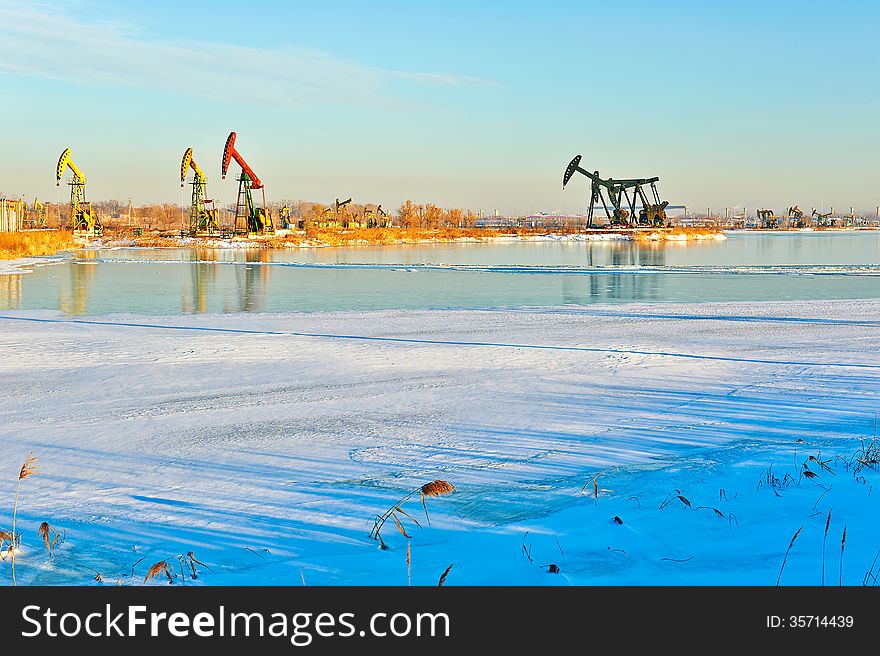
(82, 219)
(767, 218)
(821, 217)
(203, 216)
(284, 216)
(375, 218)
(339, 206)
(796, 217)
(248, 218)
(39, 219)
(384, 219)
(650, 214)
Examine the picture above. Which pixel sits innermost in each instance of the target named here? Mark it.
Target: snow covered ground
(267, 444)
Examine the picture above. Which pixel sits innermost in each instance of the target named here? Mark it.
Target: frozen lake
(744, 267)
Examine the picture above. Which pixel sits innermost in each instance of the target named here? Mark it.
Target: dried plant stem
(14, 539)
(27, 469)
(790, 545)
(381, 519)
(842, 545)
(51, 537)
(444, 575)
(869, 575)
(433, 489)
(187, 563)
(824, 540)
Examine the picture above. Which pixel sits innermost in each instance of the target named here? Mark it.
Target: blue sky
(465, 104)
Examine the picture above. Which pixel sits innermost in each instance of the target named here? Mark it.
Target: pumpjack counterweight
(623, 196)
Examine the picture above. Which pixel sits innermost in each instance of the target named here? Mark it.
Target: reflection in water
(10, 292)
(253, 281)
(203, 274)
(171, 281)
(74, 300)
(607, 288)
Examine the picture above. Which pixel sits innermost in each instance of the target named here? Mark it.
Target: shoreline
(21, 265)
(287, 240)
(280, 241)
(290, 239)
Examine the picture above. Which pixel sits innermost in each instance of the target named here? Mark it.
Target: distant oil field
(619, 205)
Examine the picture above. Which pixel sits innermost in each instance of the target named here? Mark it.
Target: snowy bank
(25, 264)
(267, 444)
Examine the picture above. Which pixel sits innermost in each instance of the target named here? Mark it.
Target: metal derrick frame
(202, 219)
(617, 191)
(250, 219)
(82, 218)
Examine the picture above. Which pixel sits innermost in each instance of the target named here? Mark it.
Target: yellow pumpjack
(83, 219)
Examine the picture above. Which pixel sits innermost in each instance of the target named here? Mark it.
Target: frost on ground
(638, 444)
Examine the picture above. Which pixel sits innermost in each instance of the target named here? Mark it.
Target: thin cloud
(40, 43)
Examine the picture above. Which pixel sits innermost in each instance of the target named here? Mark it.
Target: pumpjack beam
(340, 205)
(574, 165)
(652, 212)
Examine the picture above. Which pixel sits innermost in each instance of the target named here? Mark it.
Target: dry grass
(672, 496)
(51, 537)
(29, 468)
(527, 550)
(437, 488)
(433, 489)
(6, 544)
(14, 245)
(684, 233)
(336, 236)
(320, 237)
(153, 241)
(871, 576)
(444, 575)
(376, 236)
(157, 569)
(187, 564)
(867, 456)
(824, 540)
(693, 230)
